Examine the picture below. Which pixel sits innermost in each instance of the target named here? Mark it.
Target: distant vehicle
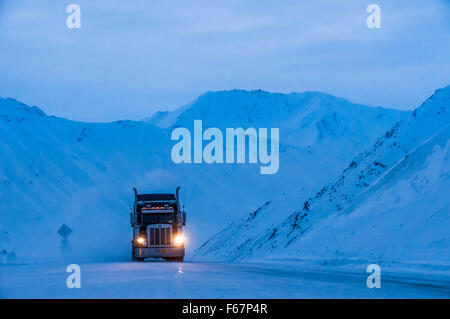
(157, 223)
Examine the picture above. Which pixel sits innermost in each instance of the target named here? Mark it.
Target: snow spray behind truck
(157, 223)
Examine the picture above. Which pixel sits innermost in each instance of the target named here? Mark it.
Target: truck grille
(159, 235)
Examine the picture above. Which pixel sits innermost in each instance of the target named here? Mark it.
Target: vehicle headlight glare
(178, 240)
(140, 240)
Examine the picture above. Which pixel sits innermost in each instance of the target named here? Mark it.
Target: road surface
(210, 280)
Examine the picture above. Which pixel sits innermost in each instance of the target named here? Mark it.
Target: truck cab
(157, 221)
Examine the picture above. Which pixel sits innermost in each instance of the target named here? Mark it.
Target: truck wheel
(138, 259)
(174, 259)
(134, 258)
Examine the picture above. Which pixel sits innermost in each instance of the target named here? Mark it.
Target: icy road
(211, 280)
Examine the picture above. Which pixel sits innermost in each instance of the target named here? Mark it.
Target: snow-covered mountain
(55, 171)
(390, 203)
(306, 119)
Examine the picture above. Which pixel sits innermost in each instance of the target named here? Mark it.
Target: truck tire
(134, 258)
(138, 259)
(174, 259)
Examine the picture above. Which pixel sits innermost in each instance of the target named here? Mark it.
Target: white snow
(390, 205)
(54, 171)
(355, 187)
(214, 280)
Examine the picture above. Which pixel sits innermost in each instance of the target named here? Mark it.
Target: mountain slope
(56, 171)
(282, 225)
(404, 216)
(306, 119)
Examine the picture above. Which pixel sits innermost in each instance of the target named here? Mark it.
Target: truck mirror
(133, 219)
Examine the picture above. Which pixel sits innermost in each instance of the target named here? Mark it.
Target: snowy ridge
(56, 171)
(305, 119)
(403, 217)
(283, 226)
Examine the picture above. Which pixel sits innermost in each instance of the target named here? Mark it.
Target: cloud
(127, 60)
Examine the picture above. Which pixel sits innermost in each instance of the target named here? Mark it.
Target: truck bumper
(162, 252)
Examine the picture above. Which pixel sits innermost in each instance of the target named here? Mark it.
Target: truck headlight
(141, 241)
(178, 240)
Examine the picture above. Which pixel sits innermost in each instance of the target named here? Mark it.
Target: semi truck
(157, 221)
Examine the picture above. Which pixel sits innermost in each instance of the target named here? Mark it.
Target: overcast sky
(131, 58)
